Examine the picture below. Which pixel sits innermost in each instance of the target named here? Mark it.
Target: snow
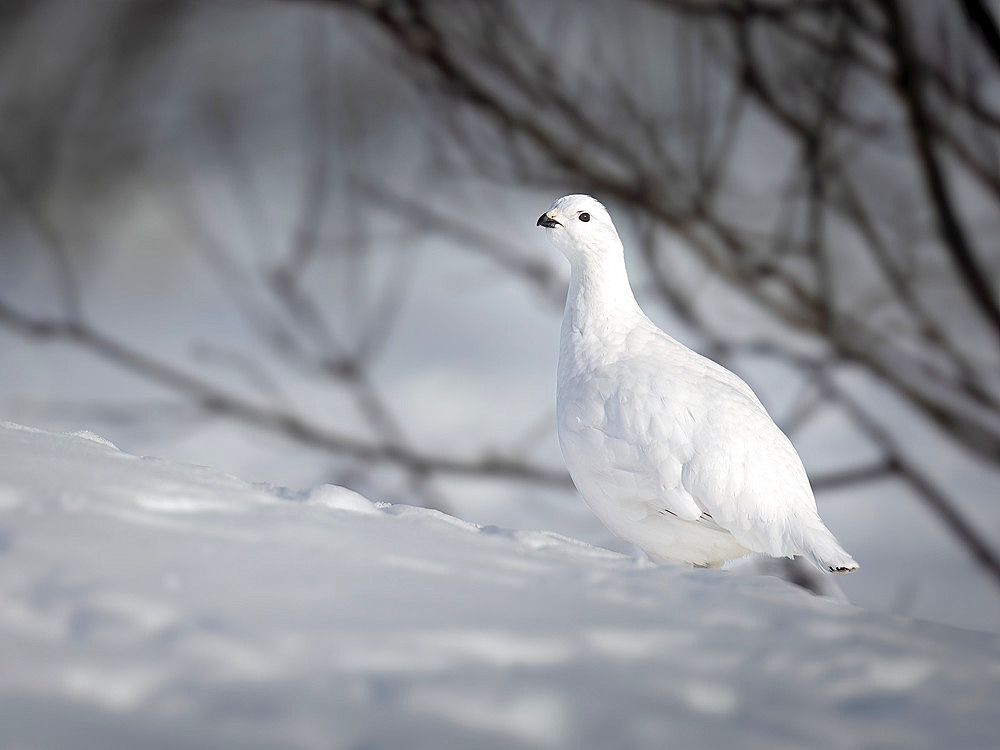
(146, 604)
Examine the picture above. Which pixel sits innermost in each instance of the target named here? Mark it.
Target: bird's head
(581, 228)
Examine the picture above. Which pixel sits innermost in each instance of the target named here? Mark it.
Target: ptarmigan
(673, 452)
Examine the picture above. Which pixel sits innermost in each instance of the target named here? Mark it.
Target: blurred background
(296, 241)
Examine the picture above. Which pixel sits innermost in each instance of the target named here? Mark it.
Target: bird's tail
(823, 549)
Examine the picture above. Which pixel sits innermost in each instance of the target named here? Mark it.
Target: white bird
(672, 451)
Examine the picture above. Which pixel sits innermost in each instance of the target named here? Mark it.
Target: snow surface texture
(150, 604)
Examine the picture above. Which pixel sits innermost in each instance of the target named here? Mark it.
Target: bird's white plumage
(671, 451)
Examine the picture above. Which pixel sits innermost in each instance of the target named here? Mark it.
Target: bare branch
(215, 400)
(850, 477)
(66, 282)
(982, 21)
(921, 129)
(932, 496)
(539, 274)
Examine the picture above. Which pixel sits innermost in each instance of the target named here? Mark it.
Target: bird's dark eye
(584, 216)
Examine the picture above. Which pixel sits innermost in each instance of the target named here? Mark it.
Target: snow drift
(150, 604)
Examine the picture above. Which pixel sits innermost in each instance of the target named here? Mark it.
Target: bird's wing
(626, 444)
(742, 470)
(673, 435)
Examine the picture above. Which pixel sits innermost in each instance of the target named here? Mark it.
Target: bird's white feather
(672, 451)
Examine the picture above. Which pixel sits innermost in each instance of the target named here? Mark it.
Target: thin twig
(214, 399)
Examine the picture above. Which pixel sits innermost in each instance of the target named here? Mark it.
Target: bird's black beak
(547, 221)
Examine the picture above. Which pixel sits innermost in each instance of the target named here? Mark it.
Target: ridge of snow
(145, 603)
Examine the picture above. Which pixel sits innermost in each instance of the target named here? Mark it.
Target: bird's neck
(599, 292)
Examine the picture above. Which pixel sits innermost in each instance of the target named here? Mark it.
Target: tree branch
(849, 477)
(921, 129)
(936, 501)
(215, 400)
(981, 20)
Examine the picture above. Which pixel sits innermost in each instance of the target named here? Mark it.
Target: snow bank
(150, 604)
